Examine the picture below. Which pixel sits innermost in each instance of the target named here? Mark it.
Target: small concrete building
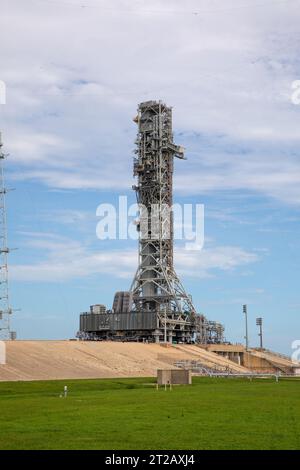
(174, 377)
(296, 370)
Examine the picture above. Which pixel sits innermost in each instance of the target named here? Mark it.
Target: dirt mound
(47, 360)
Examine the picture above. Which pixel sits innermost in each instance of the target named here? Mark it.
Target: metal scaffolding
(156, 287)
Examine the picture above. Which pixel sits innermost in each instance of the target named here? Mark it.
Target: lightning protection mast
(5, 309)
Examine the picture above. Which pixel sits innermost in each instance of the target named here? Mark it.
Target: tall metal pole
(5, 309)
(246, 326)
(259, 322)
(165, 324)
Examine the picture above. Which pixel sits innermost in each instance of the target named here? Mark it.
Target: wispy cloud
(227, 70)
(64, 259)
(207, 262)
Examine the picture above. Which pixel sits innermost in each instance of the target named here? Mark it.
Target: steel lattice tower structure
(5, 309)
(157, 307)
(156, 286)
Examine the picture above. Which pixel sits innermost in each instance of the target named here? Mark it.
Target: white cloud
(75, 73)
(69, 217)
(34, 149)
(205, 263)
(65, 259)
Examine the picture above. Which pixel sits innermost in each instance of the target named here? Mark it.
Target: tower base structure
(148, 327)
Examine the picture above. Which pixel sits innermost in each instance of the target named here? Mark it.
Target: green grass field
(131, 414)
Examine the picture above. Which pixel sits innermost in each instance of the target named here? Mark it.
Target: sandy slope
(37, 360)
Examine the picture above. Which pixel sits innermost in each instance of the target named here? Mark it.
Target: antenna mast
(5, 309)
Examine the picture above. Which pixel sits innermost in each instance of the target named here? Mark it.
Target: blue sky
(75, 72)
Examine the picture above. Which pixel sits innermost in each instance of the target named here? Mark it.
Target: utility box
(13, 335)
(98, 309)
(174, 377)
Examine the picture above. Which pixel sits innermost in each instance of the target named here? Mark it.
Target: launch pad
(157, 307)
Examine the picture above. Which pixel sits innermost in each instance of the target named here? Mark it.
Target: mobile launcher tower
(157, 307)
